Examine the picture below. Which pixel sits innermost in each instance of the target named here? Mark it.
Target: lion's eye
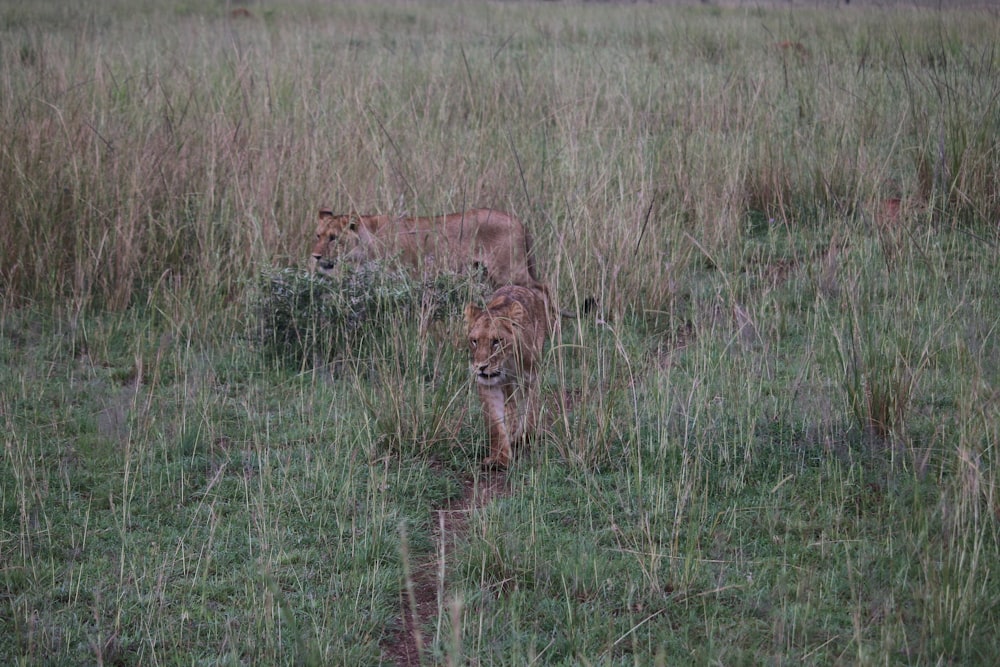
(472, 344)
(496, 343)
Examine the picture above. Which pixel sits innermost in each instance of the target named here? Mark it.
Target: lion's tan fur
(493, 240)
(506, 339)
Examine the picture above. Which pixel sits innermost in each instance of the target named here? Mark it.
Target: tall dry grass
(174, 146)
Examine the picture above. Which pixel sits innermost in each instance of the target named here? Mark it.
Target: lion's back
(485, 225)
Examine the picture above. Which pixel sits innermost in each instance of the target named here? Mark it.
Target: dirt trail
(419, 600)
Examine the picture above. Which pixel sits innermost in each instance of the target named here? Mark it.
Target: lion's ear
(472, 312)
(325, 213)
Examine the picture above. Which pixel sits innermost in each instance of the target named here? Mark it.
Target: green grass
(777, 445)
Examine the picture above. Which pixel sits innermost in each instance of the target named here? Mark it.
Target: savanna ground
(775, 443)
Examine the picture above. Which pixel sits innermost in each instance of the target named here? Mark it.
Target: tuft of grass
(881, 370)
(887, 332)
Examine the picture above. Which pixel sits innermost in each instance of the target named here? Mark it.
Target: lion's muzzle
(485, 376)
(323, 265)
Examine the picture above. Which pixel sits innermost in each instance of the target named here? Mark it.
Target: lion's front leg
(522, 410)
(495, 412)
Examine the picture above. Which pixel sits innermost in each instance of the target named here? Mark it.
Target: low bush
(304, 318)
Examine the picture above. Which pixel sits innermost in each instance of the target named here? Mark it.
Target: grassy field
(775, 443)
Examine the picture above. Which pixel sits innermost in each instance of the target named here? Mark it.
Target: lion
(505, 348)
(491, 240)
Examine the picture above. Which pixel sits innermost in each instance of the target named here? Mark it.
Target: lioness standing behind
(493, 240)
(505, 346)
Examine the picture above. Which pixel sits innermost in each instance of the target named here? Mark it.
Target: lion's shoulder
(524, 304)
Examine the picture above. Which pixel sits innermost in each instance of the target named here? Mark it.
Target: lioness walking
(505, 349)
(479, 238)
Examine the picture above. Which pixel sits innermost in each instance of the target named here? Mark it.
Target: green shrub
(304, 318)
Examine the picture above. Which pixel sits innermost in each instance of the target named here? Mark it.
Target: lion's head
(494, 347)
(337, 236)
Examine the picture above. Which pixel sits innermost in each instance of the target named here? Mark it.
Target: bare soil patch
(424, 593)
